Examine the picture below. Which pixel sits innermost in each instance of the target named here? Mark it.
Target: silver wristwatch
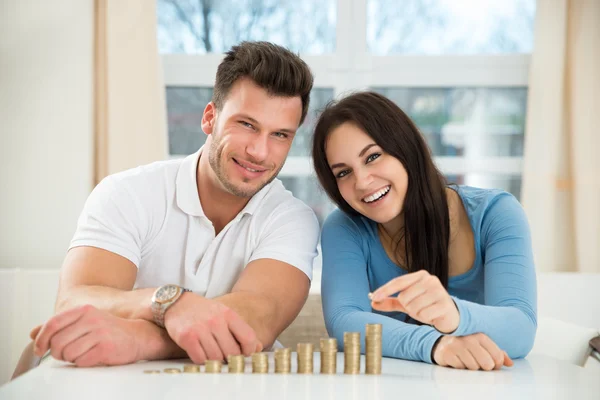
(163, 298)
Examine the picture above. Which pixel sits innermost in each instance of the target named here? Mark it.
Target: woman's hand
(472, 352)
(422, 297)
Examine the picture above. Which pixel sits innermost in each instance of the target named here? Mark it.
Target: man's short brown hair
(274, 68)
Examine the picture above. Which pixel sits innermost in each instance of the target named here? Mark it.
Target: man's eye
(246, 124)
(373, 157)
(281, 135)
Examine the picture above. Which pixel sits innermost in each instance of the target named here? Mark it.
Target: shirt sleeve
(509, 315)
(112, 220)
(345, 289)
(291, 237)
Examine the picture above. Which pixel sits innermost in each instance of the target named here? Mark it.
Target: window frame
(352, 67)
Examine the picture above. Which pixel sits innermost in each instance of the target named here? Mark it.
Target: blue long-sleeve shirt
(497, 296)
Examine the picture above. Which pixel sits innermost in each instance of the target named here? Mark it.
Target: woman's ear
(209, 118)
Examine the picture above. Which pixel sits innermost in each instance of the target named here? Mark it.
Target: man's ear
(209, 118)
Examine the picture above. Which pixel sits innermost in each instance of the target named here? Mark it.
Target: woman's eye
(342, 174)
(373, 157)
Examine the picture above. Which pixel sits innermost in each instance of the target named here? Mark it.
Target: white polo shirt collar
(187, 189)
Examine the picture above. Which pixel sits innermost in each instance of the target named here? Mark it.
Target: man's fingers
(244, 334)
(195, 352)
(397, 284)
(67, 335)
(78, 347)
(55, 324)
(210, 347)
(226, 341)
(34, 332)
(90, 358)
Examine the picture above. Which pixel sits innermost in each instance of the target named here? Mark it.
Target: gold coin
(152, 371)
(212, 366)
(172, 370)
(192, 368)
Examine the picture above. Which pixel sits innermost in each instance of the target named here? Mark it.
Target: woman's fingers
(387, 305)
(482, 356)
(508, 362)
(492, 349)
(454, 362)
(409, 295)
(398, 284)
(419, 304)
(467, 359)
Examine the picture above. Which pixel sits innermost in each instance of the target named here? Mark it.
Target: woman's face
(371, 181)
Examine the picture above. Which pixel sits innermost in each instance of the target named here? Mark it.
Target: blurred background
(505, 92)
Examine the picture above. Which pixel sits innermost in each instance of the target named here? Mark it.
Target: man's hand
(209, 330)
(473, 352)
(422, 296)
(87, 337)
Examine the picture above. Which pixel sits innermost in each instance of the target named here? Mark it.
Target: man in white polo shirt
(212, 247)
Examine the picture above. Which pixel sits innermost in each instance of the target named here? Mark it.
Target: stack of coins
(283, 361)
(260, 363)
(305, 358)
(328, 349)
(212, 366)
(172, 370)
(191, 368)
(373, 349)
(352, 353)
(236, 364)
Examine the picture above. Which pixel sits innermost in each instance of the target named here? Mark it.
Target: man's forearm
(259, 311)
(131, 304)
(155, 342)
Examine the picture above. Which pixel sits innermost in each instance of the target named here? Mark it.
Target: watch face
(166, 293)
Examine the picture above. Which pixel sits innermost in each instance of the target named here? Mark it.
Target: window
(459, 69)
(213, 26)
(450, 26)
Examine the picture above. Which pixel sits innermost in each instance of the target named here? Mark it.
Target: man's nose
(258, 148)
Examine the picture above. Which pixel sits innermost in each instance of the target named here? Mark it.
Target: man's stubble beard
(215, 155)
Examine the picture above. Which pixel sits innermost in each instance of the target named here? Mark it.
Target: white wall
(46, 131)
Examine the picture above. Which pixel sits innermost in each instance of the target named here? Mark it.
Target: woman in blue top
(460, 257)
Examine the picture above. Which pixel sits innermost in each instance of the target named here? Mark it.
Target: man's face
(250, 136)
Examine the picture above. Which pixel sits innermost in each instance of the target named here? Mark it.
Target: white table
(537, 377)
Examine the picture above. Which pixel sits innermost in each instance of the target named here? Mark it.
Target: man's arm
(90, 275)
(97, 277)
(268, 295)
(102, 279)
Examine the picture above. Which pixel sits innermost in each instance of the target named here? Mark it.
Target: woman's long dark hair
(426, 232)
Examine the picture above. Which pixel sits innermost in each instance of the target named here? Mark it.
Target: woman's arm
(509, 316)
(345, 289)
